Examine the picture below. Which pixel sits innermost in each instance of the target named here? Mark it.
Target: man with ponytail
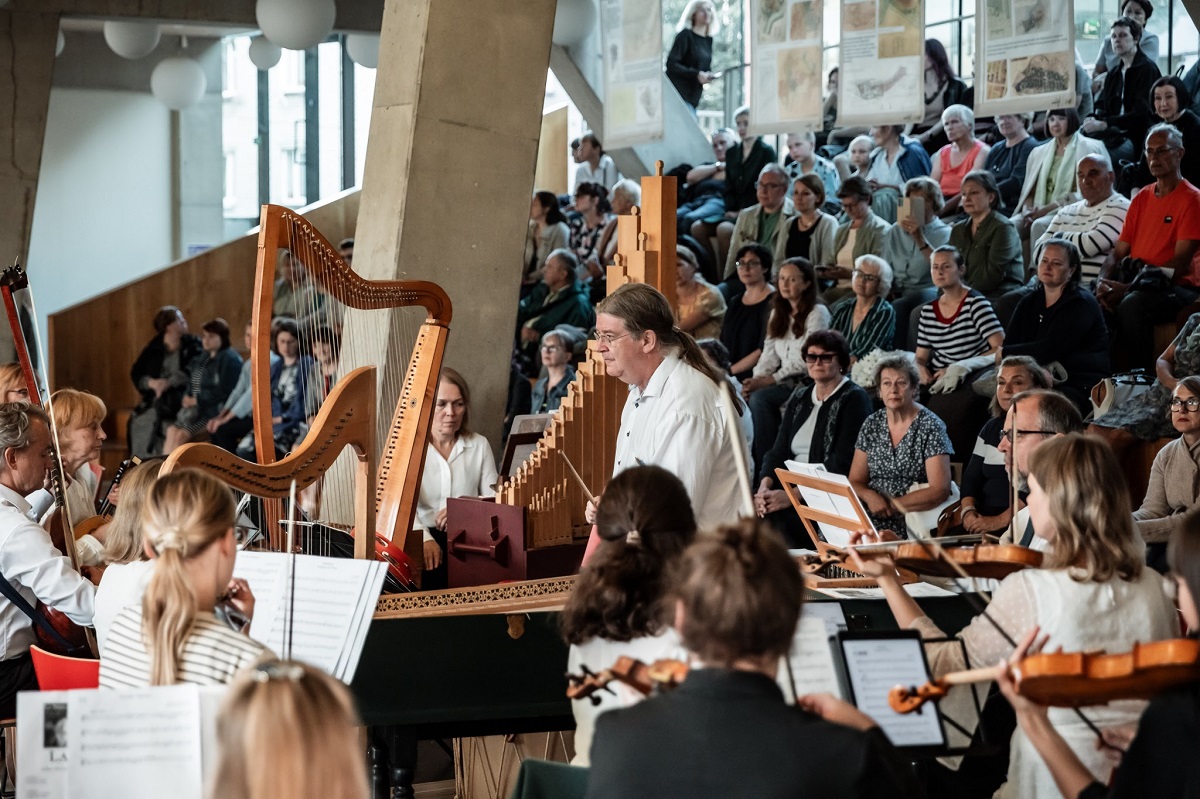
(726, 730)
(28, 561)
(673, 417)
(174, 635)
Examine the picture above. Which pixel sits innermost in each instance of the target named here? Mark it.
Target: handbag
(1116, 390)
(921, 523)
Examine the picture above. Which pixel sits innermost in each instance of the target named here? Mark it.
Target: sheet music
(813, 667)
(829, 502)
(874, 666)
(41, 743)
(914, 590)
(139, 744)
(333, 604)
(830, 613)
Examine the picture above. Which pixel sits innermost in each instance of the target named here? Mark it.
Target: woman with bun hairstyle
(645, 522)
(174, 636)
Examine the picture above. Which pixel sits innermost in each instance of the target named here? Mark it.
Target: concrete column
(27, 41)
(448, 176)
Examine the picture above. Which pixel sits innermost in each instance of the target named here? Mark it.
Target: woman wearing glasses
(820, 424)
(744, 328)
(867, 320)
(551, 387)
(1173, 478)
(861, 233)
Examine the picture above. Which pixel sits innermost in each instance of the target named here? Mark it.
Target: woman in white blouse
(458, 463)
(1094, 593)
(795, 314)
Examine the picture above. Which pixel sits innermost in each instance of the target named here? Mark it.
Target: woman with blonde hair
(13, 387)
(288, 729)
(127, 565)
(689, 63)
(1094, 593)
(174, 636)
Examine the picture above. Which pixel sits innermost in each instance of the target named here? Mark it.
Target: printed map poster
(786, 39)
(1026, 50)
(633, 72)
(882, 59)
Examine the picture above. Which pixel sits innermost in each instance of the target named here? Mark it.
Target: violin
(952, 556)
(641, 677)
(105, 513)
(1077, 679)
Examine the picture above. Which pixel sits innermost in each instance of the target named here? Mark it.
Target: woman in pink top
(963, 154)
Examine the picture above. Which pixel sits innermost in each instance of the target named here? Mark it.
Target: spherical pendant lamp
(296, 24)
(131, 39)
(264, 52)
(178, 82)
(363, 49)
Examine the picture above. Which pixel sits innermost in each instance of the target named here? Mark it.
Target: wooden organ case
(535, 528)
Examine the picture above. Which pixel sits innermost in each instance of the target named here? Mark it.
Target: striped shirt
(212, 655)
(1094, 230)
(961, 335)
(874, 332)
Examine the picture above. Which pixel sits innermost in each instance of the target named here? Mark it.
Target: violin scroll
(910, 698)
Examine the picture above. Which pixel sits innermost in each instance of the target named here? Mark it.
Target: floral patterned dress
(1145, 416)
(894, 470)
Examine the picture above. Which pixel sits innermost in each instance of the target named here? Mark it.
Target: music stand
(791, 482)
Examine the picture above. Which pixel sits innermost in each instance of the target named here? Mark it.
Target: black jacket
(1133, 93)
(741, 175)
(838, 423)
(149, 364)
(730, 734)
(690, 55)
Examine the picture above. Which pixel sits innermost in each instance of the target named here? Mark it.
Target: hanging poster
(1026, 53)
(633, 71)
(786, 39)
(882, 60)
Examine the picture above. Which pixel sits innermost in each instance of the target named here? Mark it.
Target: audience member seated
(595, 166)
(700, 308)
(805, 161)
(1147, 416)
(820, 424)
(13, 387)
(289, 391)
(326, 349)
(27, 558)
(620, 601)
(214, 373)
(867, 320)
(907, 246)
(548, 232)
(174, 634)
(902, 454)
(160, 376)
(1107, 60)
(78, 417)
(1170, 100)
(958, 339)
(1094, 593)
(987, 241)
(689, 62)
(1160, 237)
(716, 354)
(560, 298)
(1158, 760)
(1061, 323)
(234, 420)
(795, 315)
(857, 158)
(591, 203)
(963, 154)
(1092, 224)
(626, 194)
(943, 88)
(128, 567)
(1122, 112)
(810, 231)
(551, 388)
(727, 729)
(859, 233)
(458, 463)
(294, 294)
(765, 222)
(743, 165)
(986, 488)
(1050, 173)
(288, 729)
(1008, 158)
(745, 325)
(1174, 489)
(894, 161)
(346, 250)
(705, 191)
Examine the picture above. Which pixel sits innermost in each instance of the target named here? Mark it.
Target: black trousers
(16, 675)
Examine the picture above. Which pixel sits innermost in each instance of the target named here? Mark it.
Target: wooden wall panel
(93, 344)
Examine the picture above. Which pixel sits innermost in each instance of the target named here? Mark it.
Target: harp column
(448, 174)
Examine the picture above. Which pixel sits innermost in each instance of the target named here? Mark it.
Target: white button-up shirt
(678, 423)
(470, 472)
(38, 571)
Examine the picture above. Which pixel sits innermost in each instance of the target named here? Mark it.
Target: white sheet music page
(828, 502)
(874, 667)
(42, 753)
(813, 668)
(362, 623)
(135, 744)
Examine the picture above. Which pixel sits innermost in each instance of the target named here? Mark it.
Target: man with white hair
(765, 222)
(1094, 223)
